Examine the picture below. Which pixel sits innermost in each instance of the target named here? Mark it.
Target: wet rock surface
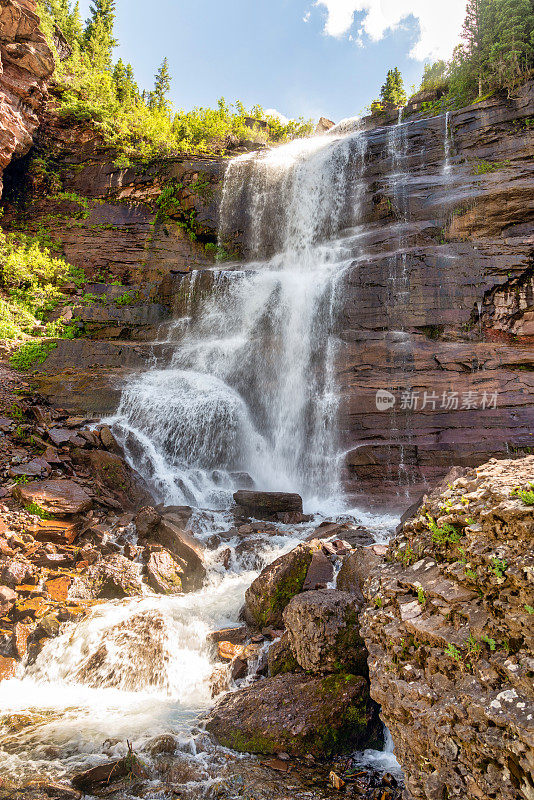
(296, 714)
(449, 629)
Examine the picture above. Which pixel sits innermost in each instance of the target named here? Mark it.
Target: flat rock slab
(56, 497)
(266, 505)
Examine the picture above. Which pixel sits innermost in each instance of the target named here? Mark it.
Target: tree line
(140, 123)
(496, 53)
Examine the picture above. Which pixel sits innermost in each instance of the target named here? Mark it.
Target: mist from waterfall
(250, 387)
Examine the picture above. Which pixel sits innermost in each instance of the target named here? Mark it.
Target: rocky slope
(449, 629)
(26, 64)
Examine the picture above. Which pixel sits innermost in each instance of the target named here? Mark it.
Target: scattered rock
(320, 572)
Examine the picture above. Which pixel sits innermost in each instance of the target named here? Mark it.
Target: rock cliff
(449, 629)
(26, 64)
(440, 298)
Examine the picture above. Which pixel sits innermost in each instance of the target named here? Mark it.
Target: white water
(250, 388)
(251, 384)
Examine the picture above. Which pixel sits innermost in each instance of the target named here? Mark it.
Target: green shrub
(31, 354)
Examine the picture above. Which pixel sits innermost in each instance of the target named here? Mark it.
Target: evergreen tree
(162, 85)
(99, 40)
(392, 92)
(125, 85)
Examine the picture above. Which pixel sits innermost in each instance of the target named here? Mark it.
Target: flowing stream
(248, 395)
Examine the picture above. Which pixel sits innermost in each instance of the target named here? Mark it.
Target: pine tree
(392, 92)
(99, 40)
(162, 85)
(125, 85)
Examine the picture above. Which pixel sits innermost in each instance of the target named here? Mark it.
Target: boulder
(356, 568)
(114, 577)
(280, 658)
(274, 587)
(115, 476)
(146, 521)
(164, 573)
(55, 497)
(320, 572)
(297, 714)
(267, 505)
(185, 548)
(324, 633)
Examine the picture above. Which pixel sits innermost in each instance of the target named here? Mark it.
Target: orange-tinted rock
(58, 588)
(8, 668)
(227, 651)
(56, 531)
(21, 634)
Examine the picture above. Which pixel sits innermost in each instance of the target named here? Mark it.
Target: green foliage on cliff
(30, 281)
(141, 124)
(496, 53)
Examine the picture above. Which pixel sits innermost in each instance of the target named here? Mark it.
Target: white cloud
(440, 23)
(272, 112)
(306, 17)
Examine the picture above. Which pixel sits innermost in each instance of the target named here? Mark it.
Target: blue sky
(304, 58)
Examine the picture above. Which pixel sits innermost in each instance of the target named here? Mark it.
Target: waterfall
(250, 387)
(447, 145)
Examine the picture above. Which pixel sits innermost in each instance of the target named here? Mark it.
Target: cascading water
(251, 384)
(249, 388)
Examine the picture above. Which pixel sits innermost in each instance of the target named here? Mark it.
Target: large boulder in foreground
(450, 633)
(55, 497)
(298, 715)
(267, 597)
(324, 633)
(269, 505)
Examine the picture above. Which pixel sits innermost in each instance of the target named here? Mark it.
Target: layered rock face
(26, 64)
(449, 629)
(439, 300)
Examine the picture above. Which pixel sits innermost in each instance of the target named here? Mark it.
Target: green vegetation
(30, 286)
(31, 354)
(421, 596)
(392, 94)
(445, 534)
(496, 54)
(526, 495)
(498, 567)
(141, 124)
(37, 511)
(485, 167)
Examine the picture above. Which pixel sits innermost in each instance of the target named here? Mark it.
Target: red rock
(57, 497)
